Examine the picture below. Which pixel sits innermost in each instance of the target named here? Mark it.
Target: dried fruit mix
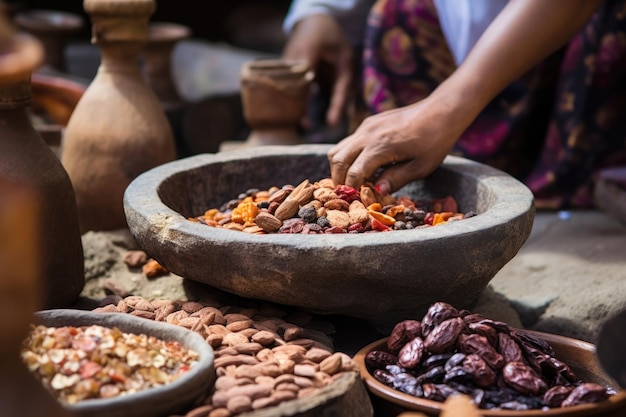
(322, 207)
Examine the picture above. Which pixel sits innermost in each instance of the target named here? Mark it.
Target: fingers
(395, 176)
(340, 161)
(352, 164)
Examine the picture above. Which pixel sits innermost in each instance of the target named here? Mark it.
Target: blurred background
(204, 64)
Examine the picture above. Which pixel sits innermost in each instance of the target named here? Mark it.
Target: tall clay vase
(118, 129)
(275, 95)
(26, 159)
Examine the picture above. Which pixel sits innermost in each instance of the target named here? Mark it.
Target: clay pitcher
(118, 129)
(26, 158)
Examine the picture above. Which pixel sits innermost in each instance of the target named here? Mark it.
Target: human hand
(319, 40)
(407, 143)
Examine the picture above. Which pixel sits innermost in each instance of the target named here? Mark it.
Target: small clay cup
(275, 95)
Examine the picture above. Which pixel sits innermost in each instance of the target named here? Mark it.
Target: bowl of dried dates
(506, 371)
(104, 364)
(268, 223)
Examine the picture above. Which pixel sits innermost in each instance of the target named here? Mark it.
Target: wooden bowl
(579, 355)
(153, 402)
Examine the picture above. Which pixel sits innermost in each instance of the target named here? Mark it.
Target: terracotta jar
(41, 258)
(20, 220)
(156, 56)
(275, 95)
(26, 158)
(118, 129)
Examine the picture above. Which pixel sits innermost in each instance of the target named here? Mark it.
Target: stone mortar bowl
(380, 277)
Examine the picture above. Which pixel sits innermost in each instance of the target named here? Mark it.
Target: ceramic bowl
(153, 402)
(579, 355)
(381, 277)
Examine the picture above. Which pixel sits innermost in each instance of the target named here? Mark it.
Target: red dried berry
(347, 193)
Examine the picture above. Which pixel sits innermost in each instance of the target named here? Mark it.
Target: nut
(268, 222)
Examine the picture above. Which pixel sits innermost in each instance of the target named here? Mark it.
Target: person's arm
(326, 32)
(415, 139)
(523, 34)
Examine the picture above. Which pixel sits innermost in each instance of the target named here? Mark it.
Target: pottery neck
(120, 58)
(16, 95)
(19, 60)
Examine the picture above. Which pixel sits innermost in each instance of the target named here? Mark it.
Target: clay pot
(20, 210)
(156, 57)
(36, 203)
(118, 129)
(26, 159)
(275, 95)
(54, 98)
(54, 29)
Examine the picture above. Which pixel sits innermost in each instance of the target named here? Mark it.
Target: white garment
(464, 21)
(351, 15)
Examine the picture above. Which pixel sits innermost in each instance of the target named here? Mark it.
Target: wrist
(458, 103)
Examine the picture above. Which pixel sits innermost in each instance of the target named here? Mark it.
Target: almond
(268, 222)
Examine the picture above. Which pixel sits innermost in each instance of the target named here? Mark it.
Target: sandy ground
(567, 279)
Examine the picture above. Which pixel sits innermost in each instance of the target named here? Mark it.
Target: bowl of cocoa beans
(113, 364)
(268, 223)
(506, 371)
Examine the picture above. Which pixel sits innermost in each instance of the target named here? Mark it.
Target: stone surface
(569, 277)
(382, 277)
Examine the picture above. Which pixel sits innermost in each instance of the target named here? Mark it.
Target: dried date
(411, 354)
(475, 343)
(498, 366)
(380, 359)
(523, 378)
(556, 395)
(509, 349)
(588, 392)
(403, 332)
(478, 370)
(444, 336)
(437, 313)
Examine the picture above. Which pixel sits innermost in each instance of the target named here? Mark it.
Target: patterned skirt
(554, 129)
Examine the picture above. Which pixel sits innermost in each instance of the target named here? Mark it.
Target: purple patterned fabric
(554, 128)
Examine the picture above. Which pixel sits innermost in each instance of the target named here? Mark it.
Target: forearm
(523, 34)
